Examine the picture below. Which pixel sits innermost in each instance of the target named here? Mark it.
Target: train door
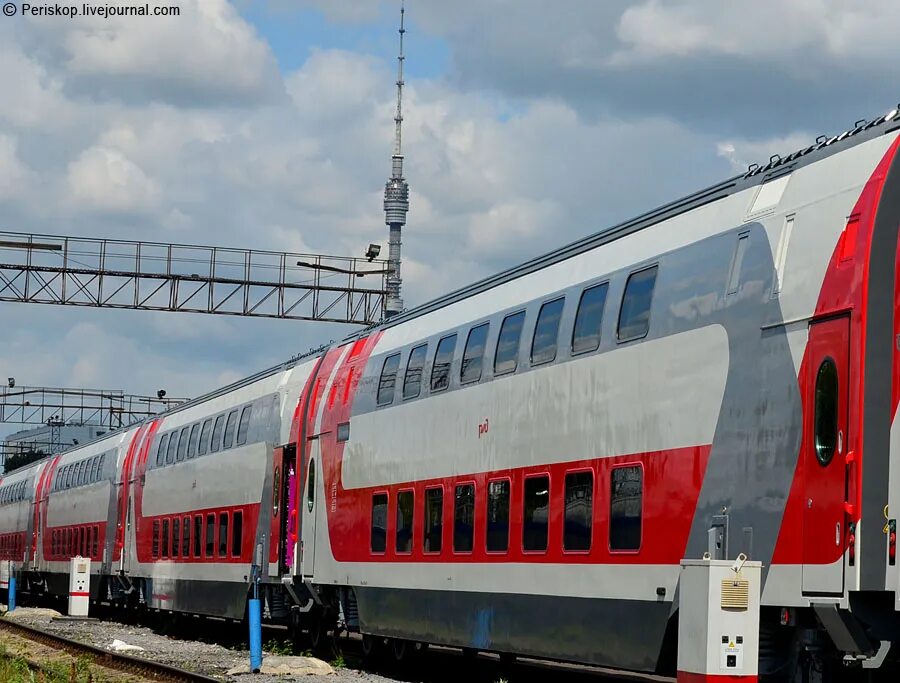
(824, 444)
(284, 510)
(309, 503)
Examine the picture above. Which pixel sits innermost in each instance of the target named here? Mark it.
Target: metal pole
(255, 630)
(11, 602)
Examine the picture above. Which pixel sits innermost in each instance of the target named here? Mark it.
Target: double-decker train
(519, 466)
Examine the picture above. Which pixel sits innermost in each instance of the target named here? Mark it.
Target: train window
(95, 461)
(546, 332)
(506, 358)
(473, 356)
(464, 518)
(198, 535)
(589, 318)
(203, 446)
(237, 533)
(311, 485)
(183, 444)
(343, 431)
(95, 540)
(165, 538)
(379, 522)
(443, 359)
(244, 425)
(172, 449)
(388, 380)
(193, 442)
(229, 429)
(217, 435)
(210, 535)
(535, 513)
(82, 472)
(412, 380)
(434, 519)
(826, 411)
(634, 316)
(186, 537)
(161, 449)
(57, 480)
(625, 508)
(497, 520)
(223, 534)
(734, 276)
(579, 510)
(176, 536)
(100, 466)
(404, 536)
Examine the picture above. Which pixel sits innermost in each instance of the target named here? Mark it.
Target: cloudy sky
(268, 124)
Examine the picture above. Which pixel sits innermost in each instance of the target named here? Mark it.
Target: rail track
(154, 671)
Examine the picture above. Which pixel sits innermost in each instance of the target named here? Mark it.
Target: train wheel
(319, 636)
(371, 647)
(401, 650)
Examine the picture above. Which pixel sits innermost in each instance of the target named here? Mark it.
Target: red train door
(823, 452)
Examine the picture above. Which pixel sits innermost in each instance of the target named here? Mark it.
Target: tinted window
(498, 516)
(186, 538)
(237, 533)
(434, 519)
(586, 334)
(210, 535)
(198, 535)
(183, 443)
(194, 441)
(173, 447)
(176, 536)
(405, 505)
(625, 507)
(155, 538)
(165, 538)
(506, 359)
(161, 450)
(223, 534)
(216, 444)
(535, 513)
(343, 431)
(579, 510)
(229, 429)
(412, 381)
(463, 518)
(379, 522)
(388, 379)
(474, 354)
(546, 332)
(311, 486)
(244, 425)
(826, 411)
(443, 359)
(634, 318)
(204, 437)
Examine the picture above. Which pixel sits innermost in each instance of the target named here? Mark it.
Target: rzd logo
(483, 428)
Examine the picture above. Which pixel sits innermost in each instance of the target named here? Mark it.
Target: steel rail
(111, 660)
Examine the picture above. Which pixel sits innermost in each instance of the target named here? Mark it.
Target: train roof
(756, 174)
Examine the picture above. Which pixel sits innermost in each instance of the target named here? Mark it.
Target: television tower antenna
(396, 192)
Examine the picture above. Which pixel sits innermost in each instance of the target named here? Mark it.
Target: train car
(520, 466)
(16, 520)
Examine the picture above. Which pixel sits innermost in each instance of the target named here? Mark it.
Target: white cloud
(103, 178)
(14, 175)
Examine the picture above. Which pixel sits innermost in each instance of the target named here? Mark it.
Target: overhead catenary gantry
(51, 406)
(155, 276)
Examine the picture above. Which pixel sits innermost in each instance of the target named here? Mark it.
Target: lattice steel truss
(59, 406)
(154, 276)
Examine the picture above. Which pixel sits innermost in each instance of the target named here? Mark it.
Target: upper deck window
(474, 354)
(634, 317)
(388, 380)
(244, 425)
(443, 359)
(546, 332)
(506, 358)
(589, 318)
(412, 381)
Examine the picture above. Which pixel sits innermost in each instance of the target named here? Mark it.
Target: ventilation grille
(735, 594)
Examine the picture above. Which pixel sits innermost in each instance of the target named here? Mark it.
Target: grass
(14, 669)
(338, 662)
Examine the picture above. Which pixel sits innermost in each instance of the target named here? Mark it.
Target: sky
(268, 124)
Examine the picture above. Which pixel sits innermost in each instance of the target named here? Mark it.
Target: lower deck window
(237, 533)
(198, 535)
(626, 507)
(434, 516)
(223, 534)
(378, 541)
(405, 506)
(579, 510)
(536, 513)
(498, 516)
(210, 535)
(165, 538)
(176, 536)
(464, 518)
(186, 538)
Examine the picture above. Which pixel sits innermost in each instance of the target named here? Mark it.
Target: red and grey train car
(520, 466)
